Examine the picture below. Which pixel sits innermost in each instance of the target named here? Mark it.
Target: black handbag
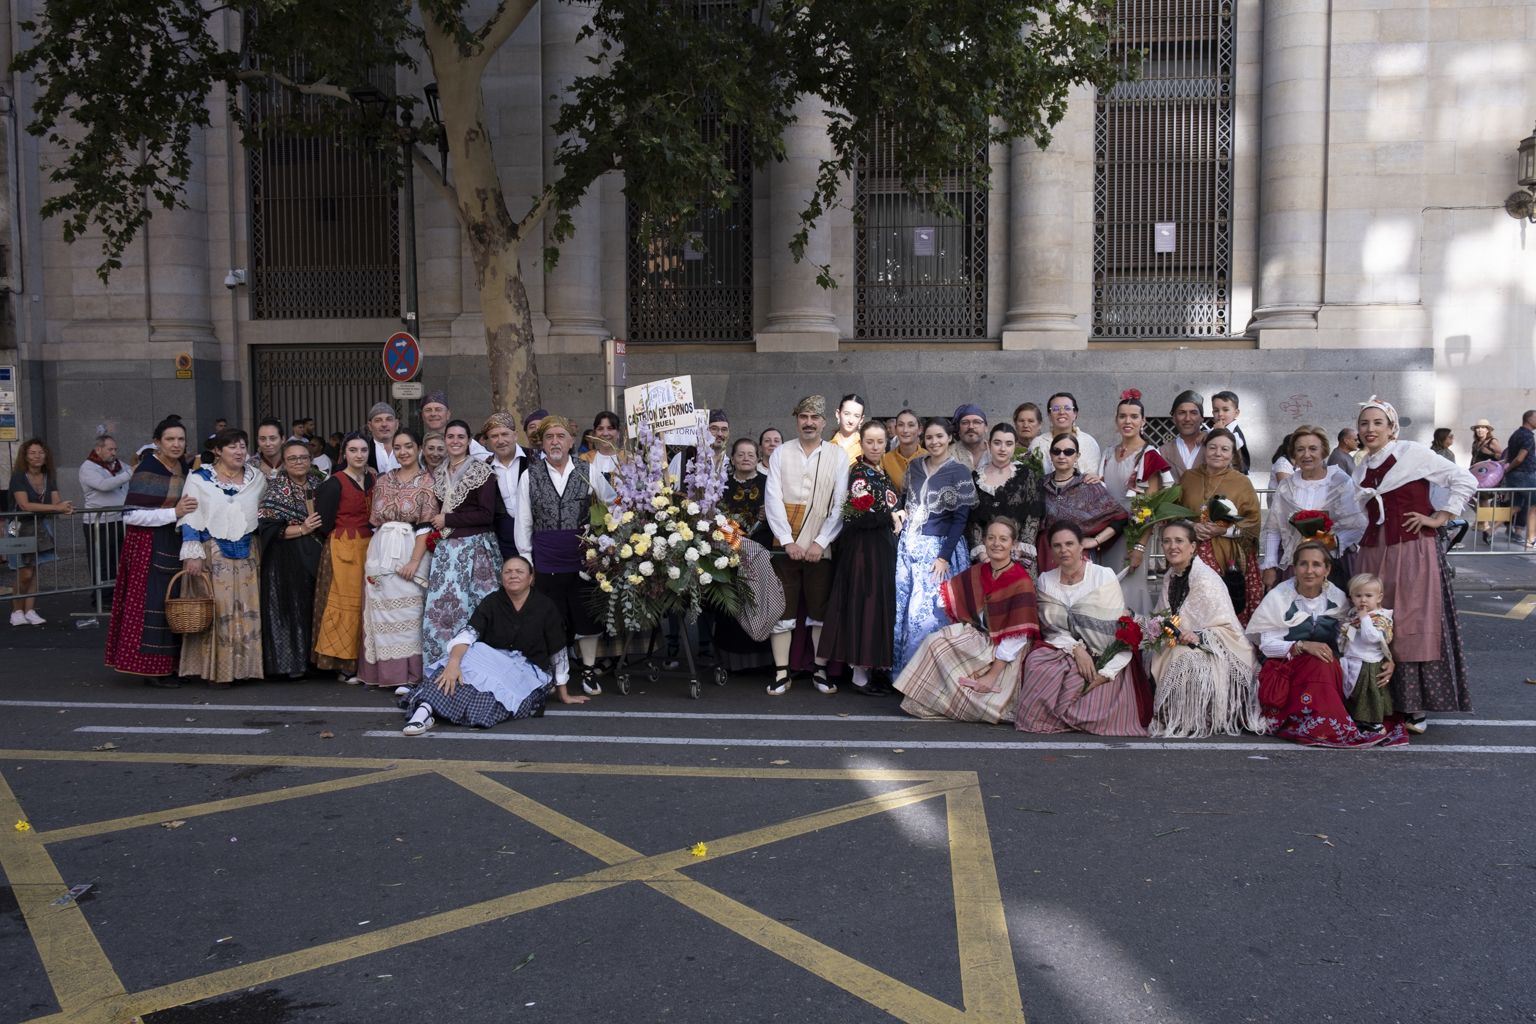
(1237, 588)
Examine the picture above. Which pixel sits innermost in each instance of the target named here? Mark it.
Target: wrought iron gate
(920, 273)
(1162, 190)
(333, 383)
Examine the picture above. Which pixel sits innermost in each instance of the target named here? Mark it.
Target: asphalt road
(278, 853)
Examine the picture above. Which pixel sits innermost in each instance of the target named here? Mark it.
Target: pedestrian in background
(34, 488)
(104, 484)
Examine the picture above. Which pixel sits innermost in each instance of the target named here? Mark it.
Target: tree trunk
(489, 230)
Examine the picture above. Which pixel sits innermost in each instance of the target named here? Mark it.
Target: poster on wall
(667, 405)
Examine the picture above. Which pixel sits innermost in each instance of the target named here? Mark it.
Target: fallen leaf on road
(172, 824)
(106, 746)
(524, 962)
(327, 735)
(898, 750)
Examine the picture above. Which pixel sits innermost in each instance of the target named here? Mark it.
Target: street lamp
(435, 111)
(1522, 204)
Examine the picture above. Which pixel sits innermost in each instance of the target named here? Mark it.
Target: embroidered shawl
(1001, 606)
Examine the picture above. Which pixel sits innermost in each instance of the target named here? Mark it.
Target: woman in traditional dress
(1204, 677)
(139, 640)
(970, 670)
(1072, 681)
(464, 552)
(893, 464)
(1228, 538)
(218, 540)
(289, 528)
(342, 502)
(1007, 485)
(502, 665)
(1131, 468)
(1403, 544)
(742, 503)
(395, 570)
(1315, 486)
(1301, 685)
(859, 628)
(1070, 498)
(939, 496)
(1028, 422)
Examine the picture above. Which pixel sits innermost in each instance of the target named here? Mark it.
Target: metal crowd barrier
(73, 554)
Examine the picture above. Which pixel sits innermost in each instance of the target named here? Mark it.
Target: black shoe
(163, 682)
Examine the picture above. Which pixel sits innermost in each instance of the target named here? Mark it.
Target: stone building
(1299, 200)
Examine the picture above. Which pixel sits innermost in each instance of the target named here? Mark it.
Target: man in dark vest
(554, 497)
(508, 462)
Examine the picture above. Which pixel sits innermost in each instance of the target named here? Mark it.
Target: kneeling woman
(1069, 683)
(1301, 686)
(969, 670)
(1204, 679)
(502, 665)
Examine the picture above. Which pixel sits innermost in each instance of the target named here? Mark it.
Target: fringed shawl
(1088, 505)
(154, 486)
(287, 502)
(1001, 606)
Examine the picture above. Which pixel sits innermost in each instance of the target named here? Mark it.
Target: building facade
(1297, 200)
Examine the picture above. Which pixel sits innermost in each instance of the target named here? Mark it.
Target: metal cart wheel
(693, 688)
(721, 675)
(621, 681)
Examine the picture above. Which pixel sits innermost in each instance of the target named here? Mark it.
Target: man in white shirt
(803, 502)
(554, 497)
(508, 461)
(436, 415)
(1186, 449)
(1061, 410)
(382, 424)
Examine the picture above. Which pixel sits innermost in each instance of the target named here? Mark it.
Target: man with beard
(971, 436)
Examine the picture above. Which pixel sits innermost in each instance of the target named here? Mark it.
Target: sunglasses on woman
(1063, 451)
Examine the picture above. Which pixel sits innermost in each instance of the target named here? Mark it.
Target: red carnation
(864, 502)
(1130, 395)
(1128, 632)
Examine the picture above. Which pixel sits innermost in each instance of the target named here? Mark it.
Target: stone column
(1041, 245)
(1293, 141)
(573, 290)
(800, 317)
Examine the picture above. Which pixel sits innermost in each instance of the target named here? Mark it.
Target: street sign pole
(408, 244)
(615, 371)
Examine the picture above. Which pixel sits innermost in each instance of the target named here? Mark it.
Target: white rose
(647, 569)
(703, 547)
(703, 525)
(691, 555)
(674, 537)
(720, 519)
(693, 508)
(673, 572)
(650, 528)
(722, 562)
(705, 579)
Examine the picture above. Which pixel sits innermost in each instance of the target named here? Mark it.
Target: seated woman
(502, 665)
(1301, 686)
(1068, 682)
(969, 670)
(1204, 680)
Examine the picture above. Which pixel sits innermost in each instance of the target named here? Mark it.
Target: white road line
(387, 707)
(1273, 746)
(170, 730)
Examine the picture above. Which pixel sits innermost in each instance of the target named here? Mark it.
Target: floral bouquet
(1149, 509)
(1128, 637)
(662, 546)
(1222, 509)
(1314, 524)
(1161, 631)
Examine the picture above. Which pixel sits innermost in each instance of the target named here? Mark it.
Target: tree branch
(429, 170)
(534, 215)
(498, 28)
(320, 88)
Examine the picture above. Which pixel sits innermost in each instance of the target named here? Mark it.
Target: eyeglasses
(295, 458)
(1063, 451)
(1063, 408)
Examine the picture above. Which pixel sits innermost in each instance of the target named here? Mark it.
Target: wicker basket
(189, 614)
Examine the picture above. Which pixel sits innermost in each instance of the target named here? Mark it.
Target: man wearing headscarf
(803, 502)
(435, 415)
(508, 463)
(1186, 449)
(382, 424)
(970, 436)
(554, 497)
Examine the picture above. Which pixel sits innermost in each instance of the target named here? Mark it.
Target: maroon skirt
(1303, 700)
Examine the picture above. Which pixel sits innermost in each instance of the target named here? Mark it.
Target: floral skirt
(1303, 701)
(918, 612)
(464, 570)
(231, 648)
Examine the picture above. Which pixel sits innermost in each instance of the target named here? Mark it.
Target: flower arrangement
(1314, 524)
(662, 546)
(1161, 630)
(1128, 637)
(1148, 510)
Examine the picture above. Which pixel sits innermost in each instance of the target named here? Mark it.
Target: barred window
(324, 219)
(920, 274)
(1162, 244)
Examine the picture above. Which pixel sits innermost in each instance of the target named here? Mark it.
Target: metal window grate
(1163, 155)
(336, 384)
(920, 274)
(324, 219)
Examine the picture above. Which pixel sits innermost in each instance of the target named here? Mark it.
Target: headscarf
(811, 405)
(536, 435)
(438, 397)
(1386, 408)
(967, 410)
(499, 419)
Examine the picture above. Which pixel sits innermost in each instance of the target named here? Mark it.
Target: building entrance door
(335, 384)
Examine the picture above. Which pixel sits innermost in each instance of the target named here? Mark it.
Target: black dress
(743, 503)
(861, 612)
(289, 567)
(1021, 498)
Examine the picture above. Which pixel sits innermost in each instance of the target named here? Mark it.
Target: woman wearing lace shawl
(464, 552)
(1204, 678)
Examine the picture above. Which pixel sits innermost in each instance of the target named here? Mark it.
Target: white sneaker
(19, 619)
(354, 680)
(415, 727)
(401, 691)
(34, 618)
(1416, 727)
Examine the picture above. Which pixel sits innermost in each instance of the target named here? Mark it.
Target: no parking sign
(402, 356)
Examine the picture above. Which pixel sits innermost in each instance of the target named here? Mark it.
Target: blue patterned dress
(937, 507)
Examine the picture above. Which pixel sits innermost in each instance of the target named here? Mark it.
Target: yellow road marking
(75, 961)
(77, 966)
(1523, 609)
(234, 803)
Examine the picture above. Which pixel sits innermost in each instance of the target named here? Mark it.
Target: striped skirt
(1051, 699)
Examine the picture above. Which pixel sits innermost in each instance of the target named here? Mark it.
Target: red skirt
(139, 641)
(1303, 700)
